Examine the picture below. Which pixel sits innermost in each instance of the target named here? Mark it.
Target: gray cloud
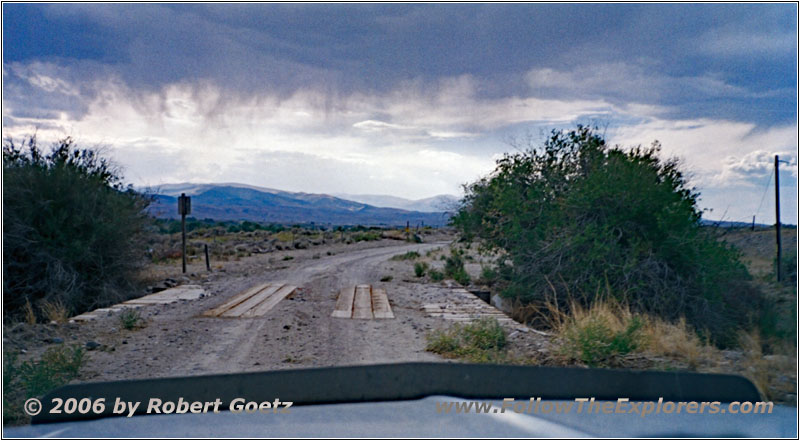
(414, 97)
(759, 164)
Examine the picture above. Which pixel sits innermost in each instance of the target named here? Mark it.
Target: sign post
(184, 208)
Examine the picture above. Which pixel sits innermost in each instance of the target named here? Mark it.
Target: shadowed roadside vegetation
(73, 234)
(575, 220)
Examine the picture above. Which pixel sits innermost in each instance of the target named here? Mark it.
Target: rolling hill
(231, 201)
(438, 203)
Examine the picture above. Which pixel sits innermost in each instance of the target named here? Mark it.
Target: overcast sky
(407, 100)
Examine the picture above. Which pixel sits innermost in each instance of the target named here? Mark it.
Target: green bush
(130, 318)
(435, 275)
(411, 255)
(420, 268)
(415, 238)
(72, 232)
(489, 275)
(574, 219)
(454, 267)
(595, 342)
(367, 236)
(481, 341)
(57, 366)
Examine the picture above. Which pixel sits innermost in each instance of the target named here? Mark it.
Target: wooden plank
(85, 317)
(344, 303)
(252, 302)
(362, 305)
(183, 292)
(380, 304)
(466, 311)
(91, 315)
(144, 301)
(265, 306)
(171, 295)
(453, 314)
(239, 298)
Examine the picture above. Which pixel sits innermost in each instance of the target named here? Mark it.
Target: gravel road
(298, 332)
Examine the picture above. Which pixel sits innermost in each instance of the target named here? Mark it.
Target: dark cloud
(342, 48)
(381, 84)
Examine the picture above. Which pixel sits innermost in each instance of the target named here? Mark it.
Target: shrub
(605, 333)
(420, 268)
(575, 218)
(72, 233)
(367, 236)
(285, 236)
(436, 275)
(130, 318)
(57, 366)
(415, 238)
(598, 336)
(489, 275)
(411, 255)
(481, 341)
(430, 252)
(454, 267)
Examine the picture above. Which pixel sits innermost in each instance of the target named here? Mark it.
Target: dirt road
(298, 332)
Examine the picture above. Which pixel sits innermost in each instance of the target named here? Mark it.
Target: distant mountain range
(232, 201)
(439, 203)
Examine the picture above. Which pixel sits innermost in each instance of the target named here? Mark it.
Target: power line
(766, 187)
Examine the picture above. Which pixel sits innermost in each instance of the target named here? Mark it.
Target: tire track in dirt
(241, 344)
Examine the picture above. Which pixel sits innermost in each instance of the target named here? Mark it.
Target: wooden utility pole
(778, 218)
(184, 208)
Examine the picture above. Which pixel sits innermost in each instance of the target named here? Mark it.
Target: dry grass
(678, 342)
(601, 335)
(30, 316)
(773, 374)
(608, 334)
(285, 236)
(758, 247)
(55, 311)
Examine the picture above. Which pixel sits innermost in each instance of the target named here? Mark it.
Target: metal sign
(184, 204)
